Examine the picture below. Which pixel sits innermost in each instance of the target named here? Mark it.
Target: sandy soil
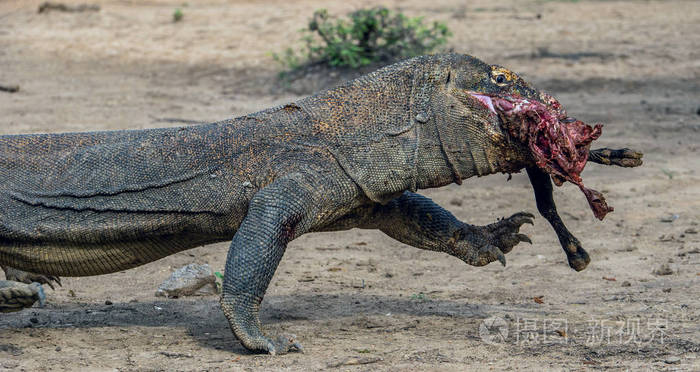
(358, 296)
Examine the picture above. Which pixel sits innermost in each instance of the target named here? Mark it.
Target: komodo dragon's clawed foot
(245, 324)
(622, 157)
(481, 245)
(28, 278)
(15, 296)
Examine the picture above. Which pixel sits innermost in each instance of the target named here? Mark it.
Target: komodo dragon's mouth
(558, 143)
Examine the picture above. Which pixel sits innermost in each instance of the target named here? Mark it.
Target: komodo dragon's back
(106, 201)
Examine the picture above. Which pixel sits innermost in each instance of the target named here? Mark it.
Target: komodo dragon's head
(531, 125)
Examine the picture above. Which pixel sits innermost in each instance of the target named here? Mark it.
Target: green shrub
(177, 15)
(366, 36)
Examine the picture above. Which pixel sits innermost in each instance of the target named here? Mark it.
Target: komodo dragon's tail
(78, 204)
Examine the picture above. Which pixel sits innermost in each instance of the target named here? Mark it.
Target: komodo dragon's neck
(444, 158)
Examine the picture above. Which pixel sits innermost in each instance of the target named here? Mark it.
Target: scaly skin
(80, 204)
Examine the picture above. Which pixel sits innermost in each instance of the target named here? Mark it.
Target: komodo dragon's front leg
(278, 213)
(418, 221)
(291, 206)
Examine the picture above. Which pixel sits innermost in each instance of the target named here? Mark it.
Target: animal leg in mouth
(542, 185)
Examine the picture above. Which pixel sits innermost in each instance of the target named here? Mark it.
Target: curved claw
(521, 218)
(47, 279)
(523, 238)
(488, 254)
(506, 242)
(501, 258)
(512, 223)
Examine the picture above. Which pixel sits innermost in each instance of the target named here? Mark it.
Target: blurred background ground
(359, 296)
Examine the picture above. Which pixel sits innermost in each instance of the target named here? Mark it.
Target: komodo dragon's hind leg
(22, 289)
(15, 296)
(28, 278)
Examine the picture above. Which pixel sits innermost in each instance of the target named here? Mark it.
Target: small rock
(58, 348)
(108, 302)
(691, 231)
(626, 284)
(187, 280)
(666, 290)
(9, 88)
(456, 202)
(672, 360)
(670, 218)
(664, 269)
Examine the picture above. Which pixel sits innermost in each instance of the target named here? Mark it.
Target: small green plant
(219, 279)
(177, 15)
(420, 296)
(366, 36)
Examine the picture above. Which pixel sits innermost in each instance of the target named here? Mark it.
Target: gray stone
(187, 281)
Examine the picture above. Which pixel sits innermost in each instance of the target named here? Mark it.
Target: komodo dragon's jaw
(557, 143)
(538, 134)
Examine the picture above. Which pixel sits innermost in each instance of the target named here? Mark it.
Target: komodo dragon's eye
(501, 76)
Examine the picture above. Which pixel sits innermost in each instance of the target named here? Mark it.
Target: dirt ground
(358, 300)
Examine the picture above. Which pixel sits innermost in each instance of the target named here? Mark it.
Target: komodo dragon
(77, 204)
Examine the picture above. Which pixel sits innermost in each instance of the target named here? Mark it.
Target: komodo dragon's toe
(481, 245)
